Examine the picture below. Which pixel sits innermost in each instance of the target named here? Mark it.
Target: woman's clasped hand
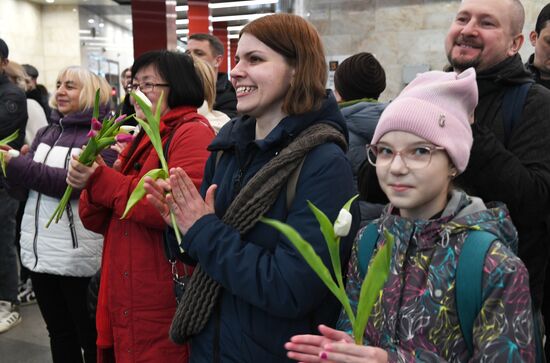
(183, 198)
(332, 346)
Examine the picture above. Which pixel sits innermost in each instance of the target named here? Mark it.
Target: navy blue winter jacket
(269, 292)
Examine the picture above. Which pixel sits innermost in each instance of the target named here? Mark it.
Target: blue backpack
(468, 295)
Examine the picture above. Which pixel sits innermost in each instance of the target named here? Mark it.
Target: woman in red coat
(136, 298)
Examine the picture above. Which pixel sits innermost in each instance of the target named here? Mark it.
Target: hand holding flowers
(374, 280)
(101, 136)
(6, 152)
(332, 346)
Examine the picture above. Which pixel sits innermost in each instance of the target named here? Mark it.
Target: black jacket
(226, 98)
(518, 175)
(13, 111)
(536, 73)
(42, 100)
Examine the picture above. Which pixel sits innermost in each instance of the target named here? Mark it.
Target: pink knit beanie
(435, 106)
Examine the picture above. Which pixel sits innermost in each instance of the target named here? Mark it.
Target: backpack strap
(469, 281)
(365, 248)
(512, 107)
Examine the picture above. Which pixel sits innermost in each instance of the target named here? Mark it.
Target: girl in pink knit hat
(426, 311)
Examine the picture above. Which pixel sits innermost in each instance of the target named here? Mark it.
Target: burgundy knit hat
(436, 106)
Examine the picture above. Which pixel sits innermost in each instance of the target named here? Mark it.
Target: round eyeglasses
(145, 86)
(414, 157)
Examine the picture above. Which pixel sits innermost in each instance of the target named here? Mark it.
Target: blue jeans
(8, 256)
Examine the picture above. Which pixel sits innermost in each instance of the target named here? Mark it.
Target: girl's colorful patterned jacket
(416, 320)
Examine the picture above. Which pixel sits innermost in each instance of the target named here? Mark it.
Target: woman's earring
(453, 174)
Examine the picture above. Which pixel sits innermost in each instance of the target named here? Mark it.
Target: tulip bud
(124, 138)
(343, 223)
(120, 118)
(13, 153)
(127, 129)
(96, 125)
(92, 133)
(138, 94)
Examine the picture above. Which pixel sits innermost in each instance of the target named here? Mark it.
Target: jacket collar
(81, 118)
(180, 114)
(240, 132)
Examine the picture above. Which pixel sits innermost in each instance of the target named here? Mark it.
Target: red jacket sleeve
(111, 189)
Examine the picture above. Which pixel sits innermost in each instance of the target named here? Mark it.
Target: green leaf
(144, 107)
(347, 206)
(311, 257)
(95, 114)
(10, 138)
(139, 191)
(88, 155)
(373, 283)
(333, 244)
(3, 164)
(157, 112)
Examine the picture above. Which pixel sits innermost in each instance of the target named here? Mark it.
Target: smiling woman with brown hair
(291, 128)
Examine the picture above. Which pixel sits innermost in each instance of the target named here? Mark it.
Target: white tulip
(142, 97)
(13, 153)
(127, 129)
(343, 223)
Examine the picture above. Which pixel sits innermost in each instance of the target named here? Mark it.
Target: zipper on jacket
(38, 198)
(238, 183)
(406, 263)
(69, 206)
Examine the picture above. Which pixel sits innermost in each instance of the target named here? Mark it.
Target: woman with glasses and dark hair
(420, 144)
(136, 300)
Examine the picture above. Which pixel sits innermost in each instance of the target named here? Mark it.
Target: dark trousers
(62, 302)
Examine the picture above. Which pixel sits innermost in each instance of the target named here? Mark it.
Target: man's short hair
(518, 17)
(543, 19)
(215, 44)
(4, 50)
(31, 71)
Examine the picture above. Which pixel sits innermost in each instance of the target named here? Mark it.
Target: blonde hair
(208, 77)
(88, 83)
(17, 75)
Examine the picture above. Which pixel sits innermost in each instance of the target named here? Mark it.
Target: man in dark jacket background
(539, 65)
(13, 117)
(539, 61)
(209, 48)
(486, 35)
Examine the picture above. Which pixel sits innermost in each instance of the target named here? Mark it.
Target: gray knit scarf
(255, 199)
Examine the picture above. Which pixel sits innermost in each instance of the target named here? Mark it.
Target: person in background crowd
(36, 115)
(209, 48)
(421, 143)
(136, 299)
(359, 80)
(539, 65)
(13, 117)
(35, 92)
(36, 120)
(216, 118)
(512, 167)
(126, 107)
(539, 61)
(63, 257)
(267, 291)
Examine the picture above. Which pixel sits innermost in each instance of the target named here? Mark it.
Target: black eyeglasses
(145, 86)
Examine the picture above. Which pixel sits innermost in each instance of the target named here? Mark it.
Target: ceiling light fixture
(230, 4)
